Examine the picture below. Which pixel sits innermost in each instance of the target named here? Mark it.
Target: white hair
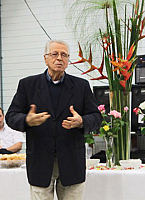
(57, 41)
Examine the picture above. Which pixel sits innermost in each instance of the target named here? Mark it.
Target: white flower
(142, 105)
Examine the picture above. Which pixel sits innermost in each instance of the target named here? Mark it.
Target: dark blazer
(42, 140)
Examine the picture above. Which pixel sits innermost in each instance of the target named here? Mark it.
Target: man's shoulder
(32, 77)
(78, 79)
(33, 81)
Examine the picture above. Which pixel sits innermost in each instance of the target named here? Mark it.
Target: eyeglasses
(56, 54)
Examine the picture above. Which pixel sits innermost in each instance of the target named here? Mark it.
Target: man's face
(56, 60)
(1, 119)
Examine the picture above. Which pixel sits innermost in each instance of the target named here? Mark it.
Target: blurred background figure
(10, 140)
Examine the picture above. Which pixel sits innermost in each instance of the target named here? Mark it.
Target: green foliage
(143, 130)
(89, 138)
(110, 129)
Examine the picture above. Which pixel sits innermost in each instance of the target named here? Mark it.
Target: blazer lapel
(44, 95)
(66, 94)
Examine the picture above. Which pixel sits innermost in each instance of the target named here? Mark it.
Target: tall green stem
(118, 100)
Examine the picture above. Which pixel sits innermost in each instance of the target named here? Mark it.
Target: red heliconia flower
(136, 7)
(123, 83)
(80, 55)
(124, 72)
(130, 53)
(105, 42)
(127, 64)
(91, 69)
(90, 62)
(100, 77)
(90, 57)
(112, 57)
(123, 66)
(141, 37)
(100, 69)
(128, 76)
(80, 51)
(142, 26)
(117, 64)
(77, 62)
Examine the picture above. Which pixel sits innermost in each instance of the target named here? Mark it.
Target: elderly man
(10, 140)
(55, 109)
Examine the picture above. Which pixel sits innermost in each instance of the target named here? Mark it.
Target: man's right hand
(33, 119)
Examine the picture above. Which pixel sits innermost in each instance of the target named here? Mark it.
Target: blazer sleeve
(16, 114)
(92, 117)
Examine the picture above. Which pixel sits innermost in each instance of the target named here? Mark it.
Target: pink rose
(126, 108)
(101, 108)
(115, 114)
(136, 111)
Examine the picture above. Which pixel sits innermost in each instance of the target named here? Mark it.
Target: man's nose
(59, 56)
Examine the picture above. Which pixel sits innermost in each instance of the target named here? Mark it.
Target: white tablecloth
(115, 185)
(13, 184)
(100, 185)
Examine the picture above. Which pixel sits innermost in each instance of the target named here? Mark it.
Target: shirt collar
(55, 82)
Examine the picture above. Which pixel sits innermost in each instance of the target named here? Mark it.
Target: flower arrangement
(141, 110)
(118, 38)
(111, 124)
(110, 127)
(119, 44)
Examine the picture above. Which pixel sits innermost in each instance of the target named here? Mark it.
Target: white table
(100, 185)
(115, 185)
(13, 184)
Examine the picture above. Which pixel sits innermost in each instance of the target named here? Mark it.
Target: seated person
(10, 140)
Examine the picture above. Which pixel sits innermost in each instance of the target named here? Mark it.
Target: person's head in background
(1, 118)
(56, 58)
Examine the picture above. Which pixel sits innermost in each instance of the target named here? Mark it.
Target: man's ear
(45, 60)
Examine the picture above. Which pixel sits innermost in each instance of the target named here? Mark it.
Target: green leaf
(104, 122)
(117, 30)
(89, 138)
(102, 130)
(122, 123)
(142, 130)
(109, 72)
(143, 119)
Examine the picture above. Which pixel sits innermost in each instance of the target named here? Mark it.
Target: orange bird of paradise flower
(123, 66)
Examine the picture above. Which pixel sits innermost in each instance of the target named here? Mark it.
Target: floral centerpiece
(119, 42)
(111, 124)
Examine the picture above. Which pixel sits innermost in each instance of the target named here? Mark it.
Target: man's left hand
(72, 122)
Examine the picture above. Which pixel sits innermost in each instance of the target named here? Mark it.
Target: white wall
(23, 40)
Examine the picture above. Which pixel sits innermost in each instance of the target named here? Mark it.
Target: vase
(109, 151)
(118, 100)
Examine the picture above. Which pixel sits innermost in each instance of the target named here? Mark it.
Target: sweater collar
(55, 82)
